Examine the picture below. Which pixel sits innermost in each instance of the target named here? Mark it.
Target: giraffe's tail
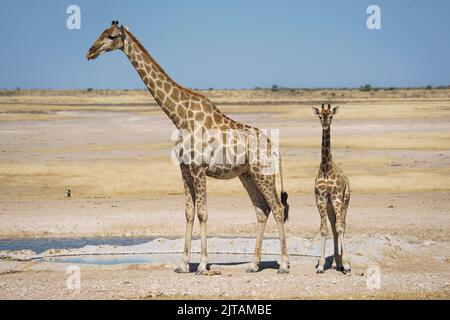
(284, 194)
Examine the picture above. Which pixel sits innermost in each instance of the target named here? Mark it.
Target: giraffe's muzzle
(92, 53)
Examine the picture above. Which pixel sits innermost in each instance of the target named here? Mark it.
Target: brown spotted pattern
(332, 192)
(187, 108)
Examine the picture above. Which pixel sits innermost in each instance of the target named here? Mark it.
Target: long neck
(326, 161)
(170, 96)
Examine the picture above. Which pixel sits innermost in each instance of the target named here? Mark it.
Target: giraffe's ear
(335, 110)
(316, 111)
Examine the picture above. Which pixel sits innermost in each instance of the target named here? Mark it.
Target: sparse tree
(366, 87)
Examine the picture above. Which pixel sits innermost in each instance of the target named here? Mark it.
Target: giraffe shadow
(262, 266)
(328, 263)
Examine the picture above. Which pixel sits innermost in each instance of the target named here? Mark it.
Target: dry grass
(150, 176)
(391, 141)
(136, 178)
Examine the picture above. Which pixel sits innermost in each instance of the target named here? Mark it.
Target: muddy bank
(396, 260)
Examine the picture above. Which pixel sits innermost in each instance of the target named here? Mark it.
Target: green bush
(366, 87)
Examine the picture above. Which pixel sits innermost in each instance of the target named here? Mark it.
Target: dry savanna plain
(112, 149)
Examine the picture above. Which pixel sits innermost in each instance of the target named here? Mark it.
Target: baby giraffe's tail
(284, 195)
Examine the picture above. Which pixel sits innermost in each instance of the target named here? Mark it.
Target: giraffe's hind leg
(262, 213)
(266, 185)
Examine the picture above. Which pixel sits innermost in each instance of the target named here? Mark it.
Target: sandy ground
(427, 217)
(112, 149)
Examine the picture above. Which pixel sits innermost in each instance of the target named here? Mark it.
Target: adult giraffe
(194, 114)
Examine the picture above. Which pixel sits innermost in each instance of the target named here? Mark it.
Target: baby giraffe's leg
(345, 262)
(346, 201)
(262, 212)
(332, 217)
(340, 228)
(322, 206)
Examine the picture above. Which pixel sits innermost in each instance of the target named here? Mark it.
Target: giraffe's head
(325, 115)
(111, 39)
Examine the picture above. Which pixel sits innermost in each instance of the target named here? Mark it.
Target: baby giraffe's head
(111, 39)
(325, 115)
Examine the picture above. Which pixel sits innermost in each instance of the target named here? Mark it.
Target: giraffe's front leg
(203, 217)
(202, 213)
(345, 261)
(337, 263)
(188, 183)
(190, 214)
(340, 228)
(322, 206)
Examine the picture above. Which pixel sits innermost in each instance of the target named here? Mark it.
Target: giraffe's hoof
(346, 268)
(252, 269)
(182, 269)
(201, 271)
(283, 271)
(319, 270)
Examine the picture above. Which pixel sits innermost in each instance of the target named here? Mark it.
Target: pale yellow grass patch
(32, 108)
(31, 117)
(397, 141)
(366, 175)
(158, 176)
(372, 110)
(107, 147)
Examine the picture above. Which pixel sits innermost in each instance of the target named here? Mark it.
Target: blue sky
(230, 44)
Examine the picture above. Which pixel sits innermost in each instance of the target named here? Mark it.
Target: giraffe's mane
(184, 89)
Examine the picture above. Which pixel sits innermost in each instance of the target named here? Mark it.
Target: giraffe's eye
(112, 37)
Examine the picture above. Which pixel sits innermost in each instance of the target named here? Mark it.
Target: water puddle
(40, 245)
(161, 258)
(123, 251)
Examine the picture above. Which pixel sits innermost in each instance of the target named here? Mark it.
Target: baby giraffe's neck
(326, 161)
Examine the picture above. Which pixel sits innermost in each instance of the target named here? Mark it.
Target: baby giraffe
(332, 196)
